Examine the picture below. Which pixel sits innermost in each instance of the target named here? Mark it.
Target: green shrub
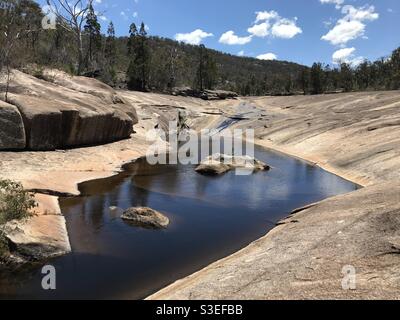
(15, 202)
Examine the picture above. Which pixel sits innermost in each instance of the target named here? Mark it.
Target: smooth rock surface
(303, 258)
(39, 238)
(66, 113)
(355, 135)
(12, 132)
(145, 217)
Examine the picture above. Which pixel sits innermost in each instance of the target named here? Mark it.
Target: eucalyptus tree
(110, 56)
(346, 77)
(8, 39)
(139, 53)
(110, 46)
(92, 31)
(395, 68)
(317, 78)
(16, 23)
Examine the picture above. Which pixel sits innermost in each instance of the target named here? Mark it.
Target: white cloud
(266, 15)
(338, 3)
(281, 27)
(231, 38)
(241, 53)
(266, 23)
(286, 29)
(344, 31)
(267, 56)
(366, 13)
(342, 55)
(346, 55)
(260, 30)
(195, 37)
(357, 61)
(352, 25)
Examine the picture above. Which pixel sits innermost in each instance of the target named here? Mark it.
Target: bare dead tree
(71, 15)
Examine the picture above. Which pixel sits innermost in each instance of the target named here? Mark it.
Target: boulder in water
(146, 218)
(218, 164)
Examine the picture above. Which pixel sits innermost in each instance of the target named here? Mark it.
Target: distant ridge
(244, 75)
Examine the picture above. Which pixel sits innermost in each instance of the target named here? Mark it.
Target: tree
(328, 81)
(288, 85)
(9, 37)
(142, 57)
(380, 71)
(92, 30)
(362, 75)
(30, 19)
(139, 58)
(109, 73)
(110, 46)
(172, 65)
(132, 49)
(201, 68)
(16, 24)
(211, 72)
(206, 70)
(72, 16)
(304, 80)
(316, 77)
(395, 66)
(346, 77)
(132, 41)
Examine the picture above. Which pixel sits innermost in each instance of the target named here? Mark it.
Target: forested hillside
(149, 63)
(176, 64)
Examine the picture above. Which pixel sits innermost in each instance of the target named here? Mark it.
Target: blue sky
(302, 31)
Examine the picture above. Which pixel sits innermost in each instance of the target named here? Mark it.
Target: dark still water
(211, 217)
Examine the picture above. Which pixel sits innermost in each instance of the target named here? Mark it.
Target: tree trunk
(80, 51)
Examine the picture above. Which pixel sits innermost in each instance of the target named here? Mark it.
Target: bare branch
(72, 16)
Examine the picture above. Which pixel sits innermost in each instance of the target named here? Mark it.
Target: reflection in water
(211, 217)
